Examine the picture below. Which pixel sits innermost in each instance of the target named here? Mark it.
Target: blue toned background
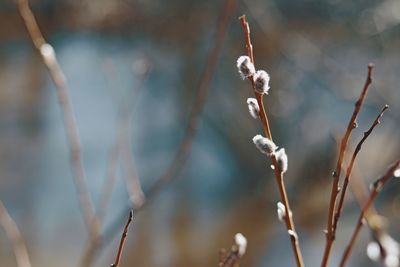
(316, 53)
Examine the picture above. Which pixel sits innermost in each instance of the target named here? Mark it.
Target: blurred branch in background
(186, 144)
(393, 171)
(49, 59)
(13, 234)
(120, 151)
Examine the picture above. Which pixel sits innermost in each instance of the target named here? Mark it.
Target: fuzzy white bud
(292, 234)
(265, 145)
(374, 251)
(241, 243)
(48, 54)
(281, 210)
(254, 109)
(386, 249)
(396, 173)
(261, 81)
(282, 159)
(392, 260)
(245, 67)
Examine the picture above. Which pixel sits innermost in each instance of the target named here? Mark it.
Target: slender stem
(350, 167)
(377, 187)
(50, 60)
(13, 234)
(267, 131)
(330, 232)
(122, 241)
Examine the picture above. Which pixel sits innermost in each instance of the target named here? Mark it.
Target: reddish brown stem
(122, 241)
(267, 131)
(377, 187)
(350, 167)
(330, 234)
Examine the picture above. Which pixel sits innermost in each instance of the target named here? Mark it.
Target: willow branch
(49, 59)
(350, 167)
(13, 234)
(122, 241)
(330, 234)
(267, 131)
(185, 146)
(376, 188)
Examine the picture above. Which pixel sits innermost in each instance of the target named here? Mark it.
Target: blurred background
(316, 53)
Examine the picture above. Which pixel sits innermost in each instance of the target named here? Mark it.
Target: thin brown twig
(122, 241)
(376, 188)
(330, 234)
(230, 260)
(185, 146)
(350, 167)
(49, 59)
(13, 234)
(267, 131)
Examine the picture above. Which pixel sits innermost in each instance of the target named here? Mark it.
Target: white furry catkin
(254, 109)
(261, 81)
(265, 145)
(245, 67)
(385, 249)
(282, 159)
(374, 251)
(241, 243)
(293, 234)
(396, 173)
(281, 210)
(48, 54)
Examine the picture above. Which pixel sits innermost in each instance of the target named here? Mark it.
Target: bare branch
(330, 234)
(18, 243)
(122, 241)
(376, 188)
(350, 167)
(49, 59)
